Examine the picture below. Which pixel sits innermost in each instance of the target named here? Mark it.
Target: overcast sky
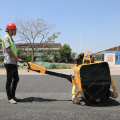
(92, 25)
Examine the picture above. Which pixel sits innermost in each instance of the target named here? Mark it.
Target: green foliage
(1, 61)
(49, 52)
(52, 38)
(98, 57)
(50, 56)
(19, 51)
(65, 51)
(73, 55)
(57, 57)
(25, 57)
(1, 58)
(53, 66)
(47, 56)
(1, 65)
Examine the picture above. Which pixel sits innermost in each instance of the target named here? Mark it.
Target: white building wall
(110, 58)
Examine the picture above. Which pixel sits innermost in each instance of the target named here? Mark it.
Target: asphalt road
(45, 97)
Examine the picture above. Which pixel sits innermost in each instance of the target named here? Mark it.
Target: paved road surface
(46, 97)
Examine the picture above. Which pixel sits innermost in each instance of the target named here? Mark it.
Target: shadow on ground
(36, 99)
(110, 102)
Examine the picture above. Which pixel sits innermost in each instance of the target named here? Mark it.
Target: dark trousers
(12, 80)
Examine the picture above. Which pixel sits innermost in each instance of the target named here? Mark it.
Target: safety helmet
(11, 26)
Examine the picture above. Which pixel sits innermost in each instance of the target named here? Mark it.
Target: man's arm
(13, 55)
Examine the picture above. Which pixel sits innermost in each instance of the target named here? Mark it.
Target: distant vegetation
(98, 57)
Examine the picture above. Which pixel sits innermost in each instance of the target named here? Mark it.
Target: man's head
(11, 29)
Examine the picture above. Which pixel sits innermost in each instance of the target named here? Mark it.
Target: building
(38, 48)
(112, 55)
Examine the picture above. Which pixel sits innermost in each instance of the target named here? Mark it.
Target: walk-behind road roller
(93, 81)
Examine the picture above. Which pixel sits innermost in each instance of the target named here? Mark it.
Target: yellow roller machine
(93, 80)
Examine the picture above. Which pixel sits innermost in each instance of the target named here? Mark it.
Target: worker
(10, 62)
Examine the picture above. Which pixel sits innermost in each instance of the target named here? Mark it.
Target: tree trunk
(32, 56)
(32, 53)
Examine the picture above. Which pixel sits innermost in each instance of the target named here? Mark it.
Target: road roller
(92, 80)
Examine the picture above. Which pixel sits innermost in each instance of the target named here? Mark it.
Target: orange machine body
(77, 81)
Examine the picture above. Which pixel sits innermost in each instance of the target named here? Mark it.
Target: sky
(92, 25)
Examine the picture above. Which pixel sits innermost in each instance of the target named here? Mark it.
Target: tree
(57, 57)
(26, 57)
(65, 52)
(51, 55)
(98, 57)
(73, 55)
(47, 56)
(19, 51)
(52, 38)
(30, 30)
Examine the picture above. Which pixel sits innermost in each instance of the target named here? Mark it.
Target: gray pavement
(45, 97)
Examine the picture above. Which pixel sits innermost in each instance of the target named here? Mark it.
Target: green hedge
(48, 65)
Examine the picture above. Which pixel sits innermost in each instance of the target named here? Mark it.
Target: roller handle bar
(29, 68)
(68, 77)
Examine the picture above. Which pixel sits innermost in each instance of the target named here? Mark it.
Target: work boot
(77, 101)
(12, 101)
(113, 94)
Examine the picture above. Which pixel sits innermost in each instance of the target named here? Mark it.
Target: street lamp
(81, 43)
